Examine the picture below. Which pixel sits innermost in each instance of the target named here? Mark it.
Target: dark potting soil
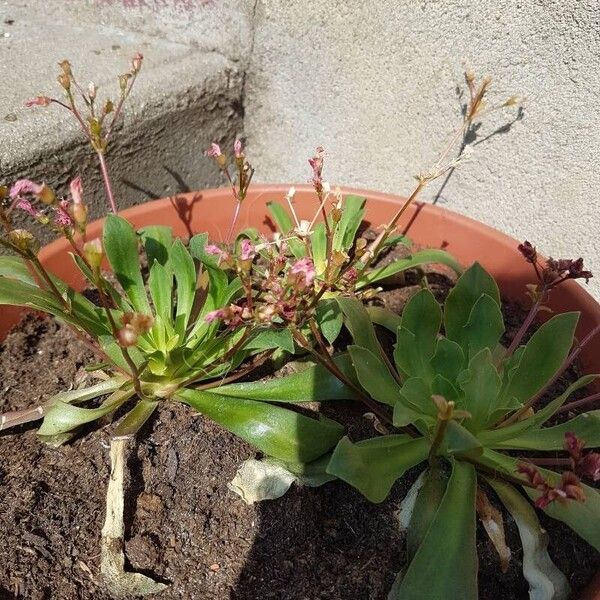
(183, 524)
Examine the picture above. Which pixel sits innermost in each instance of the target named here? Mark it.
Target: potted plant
(211, 309)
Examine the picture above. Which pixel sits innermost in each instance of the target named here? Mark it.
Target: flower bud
(38, 101)
(23, 241)
(92, 89)
(123, 79)
(108, 107)
(137, 62)
(94, 253)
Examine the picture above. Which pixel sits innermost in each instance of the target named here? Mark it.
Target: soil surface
(184, 526)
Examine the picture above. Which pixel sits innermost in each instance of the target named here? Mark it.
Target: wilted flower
(568, 489)
(316, 164)
(528, 251)
(586, 465)
(137, 61)
(79, 210)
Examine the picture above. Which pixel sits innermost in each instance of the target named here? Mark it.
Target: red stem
(107, 184)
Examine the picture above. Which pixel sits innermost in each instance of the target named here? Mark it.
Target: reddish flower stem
(106, 180)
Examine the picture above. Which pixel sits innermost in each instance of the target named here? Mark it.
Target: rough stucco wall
(374, 82)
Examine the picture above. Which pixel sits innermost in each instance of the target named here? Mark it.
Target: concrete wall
(374, 82)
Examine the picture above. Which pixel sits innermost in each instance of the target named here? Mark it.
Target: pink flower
(38, 101)
(214, 315)
(248, 251)
(27, 207)
(304, 270)
(76, 190)
(214, 150)
(62, 218)
(237, 149)
(215, 251)
(24, 186)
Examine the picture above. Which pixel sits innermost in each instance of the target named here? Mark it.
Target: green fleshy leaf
(586, 426)
(460, 441)
(448, 359)
(384, 317)
(315, 383)
(372, 466)
(356, 319)
(445, 565)
(493, 437)
(286, 227)
(134, 420)
(352, 216)
(267, 339)
(544, 354)
(121, 247)
(374, 376)
(329, 318)
(417, 335)
(63, 417)
(185, 275)
(423, 257)
(158, 240)
(417, 395)
(484, 327)
(14, 267)
(473, 283)
(160, 284)
(318, 242)
(481, 385)
(276, 431)
(425, 508)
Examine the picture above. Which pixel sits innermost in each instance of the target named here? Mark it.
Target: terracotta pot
(428, 226)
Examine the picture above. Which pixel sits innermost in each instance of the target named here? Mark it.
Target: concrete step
(189, 93)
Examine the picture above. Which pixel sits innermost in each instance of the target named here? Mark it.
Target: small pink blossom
(27, 207)
(38, 101)
(215, 251)
(25, 186)
(62, 218)
(137, 61)
(214, 150)
(76, 190)
(304, 269)
(248, 250)
(215, 315)
(237, 149)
